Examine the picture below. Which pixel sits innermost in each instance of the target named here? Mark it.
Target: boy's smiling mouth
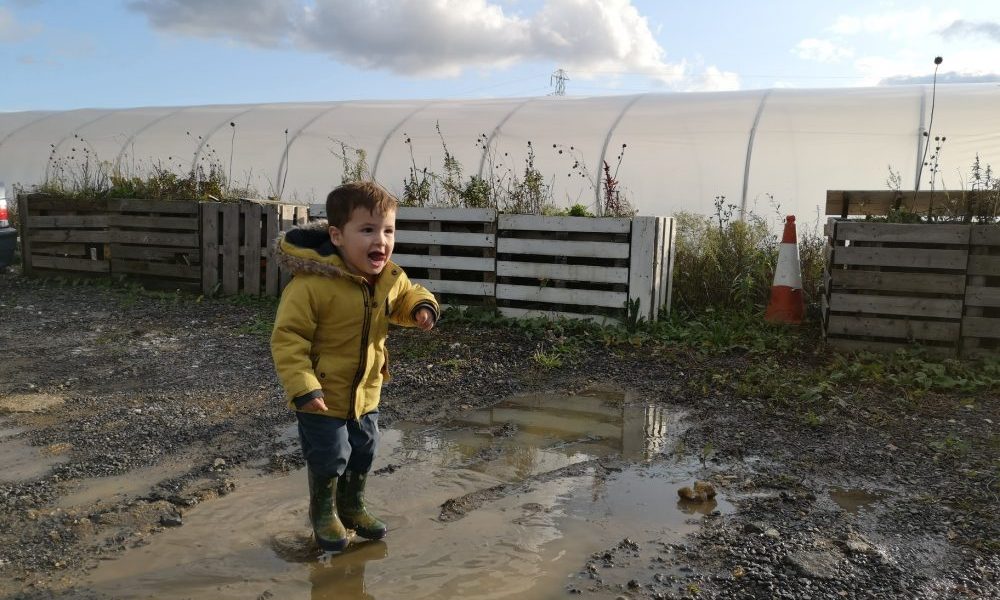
(377, 259)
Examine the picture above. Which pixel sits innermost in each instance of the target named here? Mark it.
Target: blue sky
(64, 54)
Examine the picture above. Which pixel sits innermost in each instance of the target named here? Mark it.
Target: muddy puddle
(19, 460)
(853, 500)
(531, 541)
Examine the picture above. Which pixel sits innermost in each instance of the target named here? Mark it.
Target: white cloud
(894, 24)
(821, 50)
(961, 28)
(265, 23)
(441, 38)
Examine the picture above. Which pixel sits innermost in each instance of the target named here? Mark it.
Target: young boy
(328, 345)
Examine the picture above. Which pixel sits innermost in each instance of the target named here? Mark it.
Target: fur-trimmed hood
(308, 249)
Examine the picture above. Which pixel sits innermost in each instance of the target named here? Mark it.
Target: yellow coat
(331, 326)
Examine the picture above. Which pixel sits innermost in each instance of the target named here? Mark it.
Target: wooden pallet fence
(890, 285)
(981, 319)
(153, 241)
(236, 243)
(450, 251)
(860, 203)
(575, 267)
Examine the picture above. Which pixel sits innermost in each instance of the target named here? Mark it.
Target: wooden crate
(236, 242)
(155, 241)
(892, 285)
(63, 237)
(450, 251)
(981, 319)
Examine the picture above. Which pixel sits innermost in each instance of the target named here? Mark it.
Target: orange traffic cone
(787, 305)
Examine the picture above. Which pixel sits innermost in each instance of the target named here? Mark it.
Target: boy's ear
(335, 235)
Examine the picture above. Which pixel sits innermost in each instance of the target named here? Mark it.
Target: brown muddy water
(533, 543)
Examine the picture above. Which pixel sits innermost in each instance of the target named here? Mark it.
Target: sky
(66, 54)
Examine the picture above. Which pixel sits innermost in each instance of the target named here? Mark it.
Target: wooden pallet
(981, 319)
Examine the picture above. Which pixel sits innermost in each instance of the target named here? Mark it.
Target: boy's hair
(342, 201)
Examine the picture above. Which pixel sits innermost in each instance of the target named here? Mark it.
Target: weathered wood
(272, 274)
(851, 345)
(188, 256)
(69, 264)
(550, 295)
(188, 223)
(985, 235)
(916, 258)
(251, 249)
(980, 295)
(455, 263)
(430, 238)
(609, 250)
(69, 221)
(848, 203)
(666, 274)
(576, 224)
(981, 327)
(905, 329)
(467, 288)
(896, 306)
(180, 207)
(38, 203)
(230, 249)
(643, 264)
(903, 233)
(141, 267)
(155, 238)
(461, 215)
(889, 281)
(209, 249)
(26, 222)
(61, 249)
(984, 265)
(589, 273)
(81, 236)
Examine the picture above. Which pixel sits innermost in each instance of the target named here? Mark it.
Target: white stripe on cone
(787, 272)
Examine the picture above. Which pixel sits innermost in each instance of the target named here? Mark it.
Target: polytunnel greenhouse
(772, 151)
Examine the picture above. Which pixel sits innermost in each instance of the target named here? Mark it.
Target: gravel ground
(111, 381)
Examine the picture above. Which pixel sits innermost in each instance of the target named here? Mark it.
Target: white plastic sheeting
(763, 148)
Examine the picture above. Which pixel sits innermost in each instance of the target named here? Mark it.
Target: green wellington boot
(329, 531)
(351, 506)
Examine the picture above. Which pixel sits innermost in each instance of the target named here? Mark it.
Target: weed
(257, 325)
(547, 360)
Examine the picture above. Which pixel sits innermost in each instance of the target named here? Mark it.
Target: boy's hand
(316, 404)
(425, 319)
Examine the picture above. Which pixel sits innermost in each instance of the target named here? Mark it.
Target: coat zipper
(366, 325)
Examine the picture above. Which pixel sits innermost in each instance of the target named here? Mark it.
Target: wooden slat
(154, 253)
(984, 265)
(252, 247)
(61, 249)
(905, 329)
(879, 202)
(209, 248)
(272, 275)
(69, 235)
(141, 222)
(643, 271)
(917, 258)
(37, 203)
(416, 213)
(467, 288)
(667, 274)
(985, 235)
(26, 223)
(478, 240)
(140, 267)
(903, 233)
(896, 305)
(850, 345)
(456, 263)
(982, 296)
(69, 264)
(524, 313)
(155, 238)
(609, 250)
(230, 248)
(590, 273)
(69, 221)
(577, 224)
(981, 327)
(888, 281)
(180, 207)
(560, 295)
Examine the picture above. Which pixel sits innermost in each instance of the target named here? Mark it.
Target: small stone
(771, 532)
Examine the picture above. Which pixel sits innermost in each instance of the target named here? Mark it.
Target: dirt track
(178, 394)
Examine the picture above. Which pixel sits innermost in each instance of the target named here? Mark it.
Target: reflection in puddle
(527, 543)
(853, 500)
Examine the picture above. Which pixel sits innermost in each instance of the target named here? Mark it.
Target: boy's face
(365, 241)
